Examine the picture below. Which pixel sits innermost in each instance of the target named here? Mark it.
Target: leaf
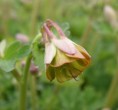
(23, 51)
(13, 53)
(65, 26)
(7, 65)
(17, 50)
(38, 56)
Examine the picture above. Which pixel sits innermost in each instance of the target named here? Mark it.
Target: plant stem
(93, 42)
(24, 84)
(6, 7)
(87, 32)
(16, 75)
(112, 93)
(111, 96)
(33, 93)
(49, 9)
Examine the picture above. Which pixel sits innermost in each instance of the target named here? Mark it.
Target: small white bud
(106, 109)
(110, 15)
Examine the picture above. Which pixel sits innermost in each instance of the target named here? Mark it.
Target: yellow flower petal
(77, 55)
(60, 59)
(77, 65)
(74, 72)
(83, 51)
(50, 73)
(62, 74)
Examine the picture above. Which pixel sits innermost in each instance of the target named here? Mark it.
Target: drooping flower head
(64, 59)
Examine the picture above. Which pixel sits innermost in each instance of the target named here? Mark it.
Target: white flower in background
(22, 38)
(110, 16)
(2, 48)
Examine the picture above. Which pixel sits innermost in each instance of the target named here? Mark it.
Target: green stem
(87, 32)
(93, 42)
(111, 96)
(112, 93)
(33, 93)
(50, 8)
(5, 17)
(16, 75)
(24, 84)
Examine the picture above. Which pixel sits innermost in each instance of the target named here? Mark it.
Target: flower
(64, 59)
(34, 69)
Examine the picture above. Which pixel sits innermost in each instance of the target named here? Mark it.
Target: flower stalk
(113, 90)
(16, 75)
(33, 92)
(23, 85)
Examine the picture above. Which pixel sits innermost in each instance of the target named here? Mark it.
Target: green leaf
(12, 50)
(23, 51)
(17, 50)
(13, 53)
(7, 65)
(65, 26)
(38, 56)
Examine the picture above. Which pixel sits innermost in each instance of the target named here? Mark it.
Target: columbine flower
(64, 59)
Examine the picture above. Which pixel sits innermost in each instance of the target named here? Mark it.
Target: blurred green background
(84, 21)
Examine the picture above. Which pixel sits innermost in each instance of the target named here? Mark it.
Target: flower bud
(22, 38)
(33, 69)
(106, 109)
(110, 15)
(23, 63)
